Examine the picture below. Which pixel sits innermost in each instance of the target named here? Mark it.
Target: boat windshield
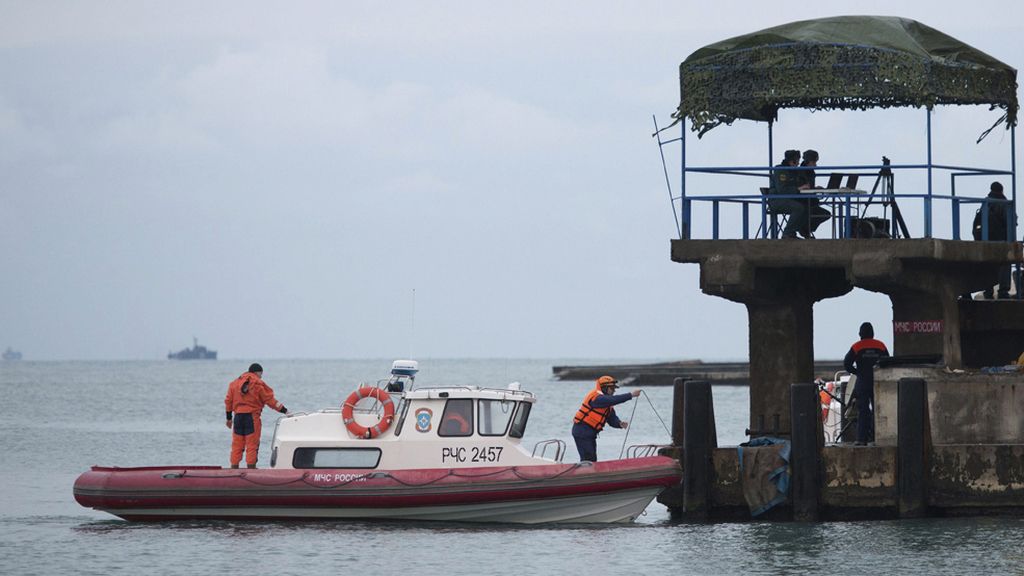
(519, 424)
(494, 416)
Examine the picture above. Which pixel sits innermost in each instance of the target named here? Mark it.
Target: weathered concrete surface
(974, 478)
(779, 281)
(969, 407)
(859, 478)
(863, 482)
(991, 331)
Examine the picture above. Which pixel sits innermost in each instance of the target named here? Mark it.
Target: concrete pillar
(781, 352)
(913, 446)
(698, 424)
(917, 309)
(805, 456)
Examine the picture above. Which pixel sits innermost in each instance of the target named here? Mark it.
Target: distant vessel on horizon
(196, 352)
(11, 354)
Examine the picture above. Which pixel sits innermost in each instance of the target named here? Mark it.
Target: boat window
(494, 416)
(401, 418)
(457, 419)
(519, 424)
(336, 458)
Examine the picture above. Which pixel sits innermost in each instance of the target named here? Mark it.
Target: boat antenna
(412, 324)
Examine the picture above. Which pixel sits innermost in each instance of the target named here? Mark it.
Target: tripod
(888, 195)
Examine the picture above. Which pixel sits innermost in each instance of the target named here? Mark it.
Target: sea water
(62, 417)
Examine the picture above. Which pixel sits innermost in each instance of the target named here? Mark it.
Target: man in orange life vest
(861, 360)
(247, 395)
(595, 412)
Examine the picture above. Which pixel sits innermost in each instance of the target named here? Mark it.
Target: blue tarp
(765, 476)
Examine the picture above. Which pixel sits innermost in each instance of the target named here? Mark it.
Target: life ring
(359, 430)
(826, 399)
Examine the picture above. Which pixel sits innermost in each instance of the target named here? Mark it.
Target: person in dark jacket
(595, 412)
(997, 232)
(815, 213)
(860, 361)
(787, 183)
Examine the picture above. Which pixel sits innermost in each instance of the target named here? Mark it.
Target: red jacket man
(246, 397)
(861, 360)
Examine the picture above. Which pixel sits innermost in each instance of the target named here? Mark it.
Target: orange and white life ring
(359, 430)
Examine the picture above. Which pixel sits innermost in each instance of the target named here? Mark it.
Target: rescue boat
(392, 451)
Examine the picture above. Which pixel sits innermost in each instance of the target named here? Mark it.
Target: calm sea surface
(62, 417)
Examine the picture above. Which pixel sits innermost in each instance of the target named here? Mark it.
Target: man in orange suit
(246, 397)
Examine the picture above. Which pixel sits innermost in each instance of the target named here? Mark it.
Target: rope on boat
(660, 419)
(451, 472)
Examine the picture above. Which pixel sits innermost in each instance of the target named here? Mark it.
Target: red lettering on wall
(917, 327)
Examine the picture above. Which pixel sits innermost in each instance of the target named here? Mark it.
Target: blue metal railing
(847, 206)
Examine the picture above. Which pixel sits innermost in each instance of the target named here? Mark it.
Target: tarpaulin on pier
(843, 62)
(764, 472)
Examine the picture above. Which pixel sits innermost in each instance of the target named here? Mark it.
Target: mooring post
(698, 443)
(913, 445)
(672, 497)
(805, 457)
(678, 399)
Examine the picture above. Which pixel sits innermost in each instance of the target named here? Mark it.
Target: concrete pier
(910, 477)
(949, 439)
(779, 282)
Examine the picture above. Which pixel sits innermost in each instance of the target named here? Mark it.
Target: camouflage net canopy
(840, 63)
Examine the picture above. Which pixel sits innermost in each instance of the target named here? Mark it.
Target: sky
(375, 180)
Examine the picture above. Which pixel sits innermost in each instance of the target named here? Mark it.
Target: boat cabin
(444, 427)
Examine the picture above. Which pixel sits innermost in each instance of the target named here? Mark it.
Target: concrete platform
(780, 280)
(968, 407)
(863, 483)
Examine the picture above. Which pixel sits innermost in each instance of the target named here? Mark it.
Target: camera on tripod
(867, 227)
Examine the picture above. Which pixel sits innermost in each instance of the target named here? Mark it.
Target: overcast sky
(343, 179)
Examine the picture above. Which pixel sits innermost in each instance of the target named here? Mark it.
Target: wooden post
(913, 446)
(678, 398)
(805, 458)
(698, 427)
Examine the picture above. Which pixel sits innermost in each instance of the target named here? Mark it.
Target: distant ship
(196, 352)
(11, 354)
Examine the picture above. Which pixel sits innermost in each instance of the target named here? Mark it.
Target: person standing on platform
(997, 232)
(243, 405)
(861, 361)
(595, 412)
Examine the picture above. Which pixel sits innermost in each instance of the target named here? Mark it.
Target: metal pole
(1013, 185)
(714, 219)
(683, 207)
(928, 199)
(1012, 237)
(664, 168)
(764, 201)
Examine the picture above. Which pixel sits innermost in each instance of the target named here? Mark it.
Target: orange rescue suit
(593, 417)
(246, 397)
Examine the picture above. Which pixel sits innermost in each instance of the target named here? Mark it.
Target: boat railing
(643, 450)
(544, 445)
(509, 391)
